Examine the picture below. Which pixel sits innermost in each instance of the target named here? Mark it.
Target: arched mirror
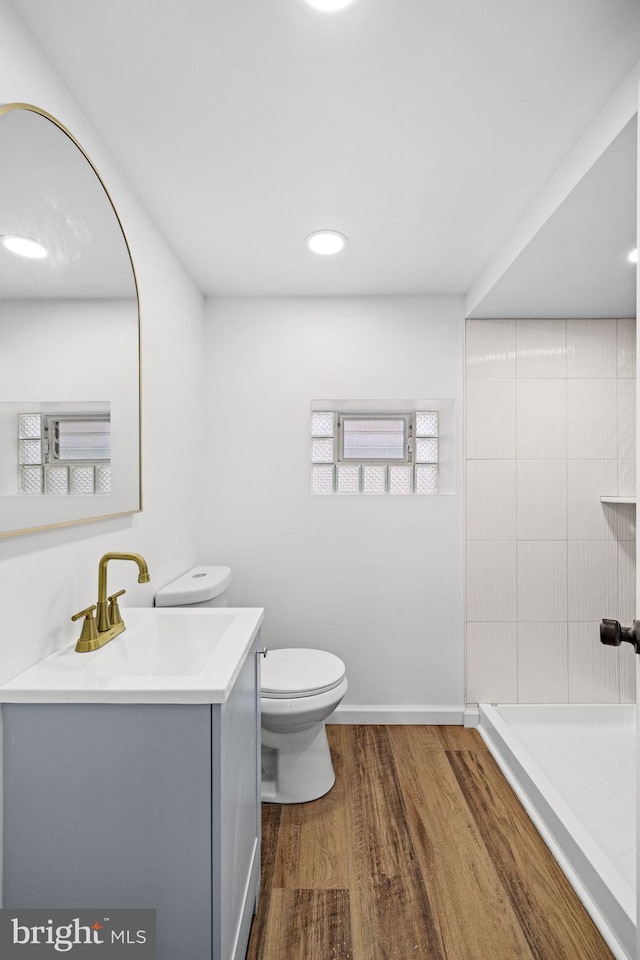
(69, 335)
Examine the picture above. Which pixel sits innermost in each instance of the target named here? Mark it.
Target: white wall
(550, 429)
(45, 577)
(376, 580)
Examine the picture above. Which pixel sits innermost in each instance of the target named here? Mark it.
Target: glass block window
(81, 479)
(31, 480)
(29, 425)
(56, 480)
(427, 478)
(322, 479)
(30, 451)
(374, 478)
(348, 478)
(322, 424)
(426, 450)
(322, 450)
(65, 455)
(373, 438)
(375, 453)
(400, 480)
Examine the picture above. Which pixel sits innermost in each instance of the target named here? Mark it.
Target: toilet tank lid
(195, 586)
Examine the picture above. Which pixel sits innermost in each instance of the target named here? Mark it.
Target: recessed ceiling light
(326, 242)
(329, 5)
(24, 246)
(632, 256)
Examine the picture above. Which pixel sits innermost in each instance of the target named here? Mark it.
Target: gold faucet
(109, 623)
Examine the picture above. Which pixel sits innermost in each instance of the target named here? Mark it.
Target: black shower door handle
(612, 634)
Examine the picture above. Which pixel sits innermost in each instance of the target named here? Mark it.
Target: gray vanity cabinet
(139, 805)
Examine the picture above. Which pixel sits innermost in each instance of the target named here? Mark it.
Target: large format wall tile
(542, 499)
(592, 420)
(626, 519)
(626, 331)
(588, 480)
(626, 609)
(594, 670)
(491, 349)
(592, 579)
(491, 499)
(541, 348)
(491, 580)
(626, 478)
(543, 663)
(626, 419)
(591, 348)
(492, 663)
(541, 419)
(491, 419)
(548, 436)
(627, 669)
(542, 580)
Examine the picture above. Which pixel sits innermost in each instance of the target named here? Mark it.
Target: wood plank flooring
(420, 852)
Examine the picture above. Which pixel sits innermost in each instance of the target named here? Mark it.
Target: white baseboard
(472, 715)
(359, 713)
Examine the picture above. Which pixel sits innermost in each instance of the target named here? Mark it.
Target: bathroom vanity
(141, 797)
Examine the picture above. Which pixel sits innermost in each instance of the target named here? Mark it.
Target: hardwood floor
(420, 852)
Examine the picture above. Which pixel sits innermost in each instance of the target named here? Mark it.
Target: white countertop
(165, 655)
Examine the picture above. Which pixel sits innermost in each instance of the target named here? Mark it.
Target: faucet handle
(115, 616)
(88, 639)
(88, 613)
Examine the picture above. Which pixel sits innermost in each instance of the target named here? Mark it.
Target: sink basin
(167, 644)
(165, 655)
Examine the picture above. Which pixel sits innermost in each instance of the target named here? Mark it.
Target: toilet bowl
(300, 688)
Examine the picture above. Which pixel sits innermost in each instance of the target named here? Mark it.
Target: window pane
(426, 450)
(427, 478)
(82, 439)
(322, 424)
(427, 424)
(400, 479)
(322, 451)
(374, 478)
(29, 425)
(81, 480)
(103, 478)
(348, 479)
(373, 439)
(322, 479)
(56, 480)
(31, 480)
(30, 451)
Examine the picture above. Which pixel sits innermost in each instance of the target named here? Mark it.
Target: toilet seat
(298, 672)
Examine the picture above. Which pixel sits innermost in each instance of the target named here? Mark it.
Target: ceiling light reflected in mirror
(24, 246)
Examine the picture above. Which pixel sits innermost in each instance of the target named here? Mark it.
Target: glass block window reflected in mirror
(375, 452)
(64, 455)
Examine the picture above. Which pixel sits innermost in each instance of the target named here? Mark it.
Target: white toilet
(299, 689)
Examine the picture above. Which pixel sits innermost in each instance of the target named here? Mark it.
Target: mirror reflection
(69, 329)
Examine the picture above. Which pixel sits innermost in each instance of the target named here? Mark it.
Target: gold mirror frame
(86, 516)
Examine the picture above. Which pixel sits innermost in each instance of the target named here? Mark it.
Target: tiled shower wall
(550, 427)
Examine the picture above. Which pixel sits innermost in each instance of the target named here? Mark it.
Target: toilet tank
(200, 587)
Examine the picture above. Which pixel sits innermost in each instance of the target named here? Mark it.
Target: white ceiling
(422, 129)
(576, 265)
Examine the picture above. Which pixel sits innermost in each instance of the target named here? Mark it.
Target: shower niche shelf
(617, 500)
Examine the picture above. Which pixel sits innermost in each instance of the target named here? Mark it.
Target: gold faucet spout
(103, 605)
